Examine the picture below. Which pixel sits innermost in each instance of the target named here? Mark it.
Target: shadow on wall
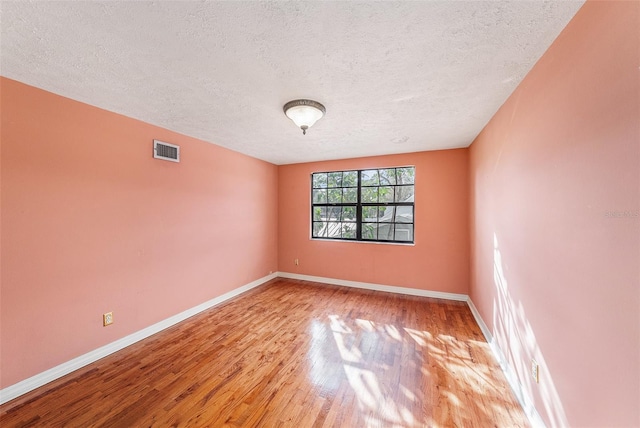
(515, 337)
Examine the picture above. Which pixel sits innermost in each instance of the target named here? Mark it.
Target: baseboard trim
(14, 391)
(523, 398)
(377, 287)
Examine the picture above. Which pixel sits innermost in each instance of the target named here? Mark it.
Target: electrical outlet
(107, 319)
(535, 369)
(296, 262)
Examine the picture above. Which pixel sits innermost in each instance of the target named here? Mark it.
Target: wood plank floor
(291, 353)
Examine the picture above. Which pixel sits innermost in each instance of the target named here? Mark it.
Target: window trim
(359, 205)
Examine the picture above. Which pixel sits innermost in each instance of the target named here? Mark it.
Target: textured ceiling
(394, 76)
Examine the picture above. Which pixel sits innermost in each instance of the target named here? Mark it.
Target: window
(364, 205)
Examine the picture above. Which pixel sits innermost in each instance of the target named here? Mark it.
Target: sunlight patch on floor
(340, 357)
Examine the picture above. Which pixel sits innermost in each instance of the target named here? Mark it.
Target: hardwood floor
(291, 353)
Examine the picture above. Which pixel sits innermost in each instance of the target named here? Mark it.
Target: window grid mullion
(391, 223)
(359, 209)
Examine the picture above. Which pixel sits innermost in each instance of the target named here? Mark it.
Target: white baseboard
(29, 384)
(525, 401)
(377, 287)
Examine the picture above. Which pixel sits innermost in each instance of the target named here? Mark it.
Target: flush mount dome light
(304, 113)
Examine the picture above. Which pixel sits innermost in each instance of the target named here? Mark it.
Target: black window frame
(353, 224)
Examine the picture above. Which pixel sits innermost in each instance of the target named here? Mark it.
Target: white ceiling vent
(166, 151)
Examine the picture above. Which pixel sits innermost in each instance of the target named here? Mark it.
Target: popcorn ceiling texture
(396, 77)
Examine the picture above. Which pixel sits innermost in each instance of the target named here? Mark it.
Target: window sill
(402, 244)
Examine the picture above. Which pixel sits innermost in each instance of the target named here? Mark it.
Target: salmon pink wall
(555, 222)
(92, 223)
(439, 261)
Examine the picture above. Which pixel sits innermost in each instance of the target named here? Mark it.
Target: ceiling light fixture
(304, 113)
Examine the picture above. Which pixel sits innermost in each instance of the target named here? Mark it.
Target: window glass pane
(386, 194)
(404, 232)
(369, 195)
(404, 214)
(319, 180)
(319, 196)
(335, 179)
(349, 213)
(350, 179)
(404, 193)
(369, 231)
(386, 214)
(334, 213)
(385, 231)
(370, 177)
(319, 213)
(370, 214)
(349, 230)
(387, 176)
(334, 229)
(335, 196)
(319, 229)
(405, 175)
(350, 195)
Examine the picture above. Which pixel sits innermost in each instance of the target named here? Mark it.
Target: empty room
(320, 214)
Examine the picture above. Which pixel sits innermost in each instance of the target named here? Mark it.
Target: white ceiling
(395, 76)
